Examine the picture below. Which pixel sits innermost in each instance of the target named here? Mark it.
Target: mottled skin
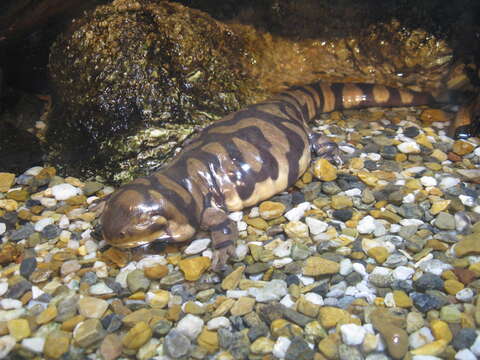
(237, 162)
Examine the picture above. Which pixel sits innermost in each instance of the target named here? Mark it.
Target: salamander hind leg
(325, 148)
(224, 233)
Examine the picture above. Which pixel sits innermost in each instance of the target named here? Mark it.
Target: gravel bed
(376, 258)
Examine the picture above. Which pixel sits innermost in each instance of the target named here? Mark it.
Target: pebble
(137, 336)
(88, 332)
(197, 246)
(176, 344)
(190, 326)
(64, 191)
(34, 344)
(352, 334)
(91, 307)
(317, 266)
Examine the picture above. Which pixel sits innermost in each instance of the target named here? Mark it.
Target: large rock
(136, 76)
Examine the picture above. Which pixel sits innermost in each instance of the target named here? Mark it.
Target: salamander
(237, 162)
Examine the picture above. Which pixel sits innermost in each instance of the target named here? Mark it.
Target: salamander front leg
(325, 148)
(224, 234)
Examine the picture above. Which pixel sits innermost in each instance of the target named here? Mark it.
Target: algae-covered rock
(133, 78)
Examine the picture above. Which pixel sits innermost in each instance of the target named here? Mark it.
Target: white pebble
(3, 228)
(367, 225)
(428, 181)
(101, 269)
(374, 156)
(314, 298)
(281, 346)
(64, 191)
(346, 267)
(236, 216)
(316, 226)
(389, 301)
(63, 222)
(48, 202)
(273, 290)
(42, 223)
(36, 292)
(408, 199)
(242, 226)
(467, 200)
(3, 287)
(33, 171)
(280, 263)
(306, 280)
(287, 301)
(420, 337)
(197, 246)
(407, 222)
(403, 273)
(465, 295)
(9, 304)
(449, 182)
(359, 268)
(7, 343)
(476, 346)
(435, 266)
(241, 251)
(347, 149)
(425, 357)
(34, 344)
(236, 294)
(352, 334)
(465, 354)
(254, 212)
(353, 192)
(218, 322)
(190, 326)
(283, 249)
(297, 212)
(409, 147)
(100, 289)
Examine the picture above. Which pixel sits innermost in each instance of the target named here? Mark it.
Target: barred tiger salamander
(236, 162)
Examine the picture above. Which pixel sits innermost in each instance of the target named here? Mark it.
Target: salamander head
(136, 216)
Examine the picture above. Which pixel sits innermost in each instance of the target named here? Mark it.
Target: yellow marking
(406, 96)
(328, 97)
(250, 154)
(352, 96)
(173, 186)
(380, 94)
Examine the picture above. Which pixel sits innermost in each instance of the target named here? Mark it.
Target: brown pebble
(464, 275)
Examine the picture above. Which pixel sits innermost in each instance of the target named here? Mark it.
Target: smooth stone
(91, 307)
(176, 344)
(318, 266)
(57, 343)
(137, 281)
(111, 347)
(88, 332)
(395, 337)
(137, 336)
(299, 350)
(193, 268)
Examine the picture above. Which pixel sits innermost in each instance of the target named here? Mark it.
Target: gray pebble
(137, 281)
(346, 352)
(299, 350)
(22, 233)
(28, 266)
(176, 345)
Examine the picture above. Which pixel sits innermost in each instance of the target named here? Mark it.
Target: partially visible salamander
(237, 162)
